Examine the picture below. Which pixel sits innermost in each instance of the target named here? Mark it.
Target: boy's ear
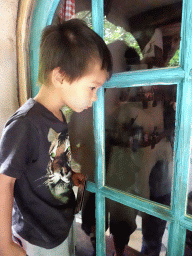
(57, 77)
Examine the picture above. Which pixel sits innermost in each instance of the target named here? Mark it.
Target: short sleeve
(18, 147)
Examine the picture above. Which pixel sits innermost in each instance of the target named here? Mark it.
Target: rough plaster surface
(8, 68)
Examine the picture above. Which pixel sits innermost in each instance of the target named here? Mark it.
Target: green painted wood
(100, 224)
(97, 17)
(99, 133)
(175, 230)
(91, 186)
(136, 202)
(42, 16)
(177, 233)
(139, 203)
(98, 117)
(161, 76)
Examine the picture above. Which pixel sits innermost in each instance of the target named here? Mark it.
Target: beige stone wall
(8, 68)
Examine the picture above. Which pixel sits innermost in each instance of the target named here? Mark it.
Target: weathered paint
(177, 233)
(182, 76)
(148, 77)
(99, 133)
(139, 203)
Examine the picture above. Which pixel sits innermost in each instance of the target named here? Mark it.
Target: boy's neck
(49, 98)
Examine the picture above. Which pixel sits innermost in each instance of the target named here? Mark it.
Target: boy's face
(81, 94)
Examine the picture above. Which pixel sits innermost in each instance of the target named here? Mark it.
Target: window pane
(79, 10)
(130, 227)
(189, 206)
(136, 231)
(86, 16)
(188, 243)
(83, 246)
(140, 124)
(143, 35)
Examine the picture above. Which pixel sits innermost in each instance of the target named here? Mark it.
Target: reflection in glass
(188, 243)
(86, 16)
(151, 28)
(126, 230)
(140, 125)
(189, 206)
(83, 245)
(133, 231)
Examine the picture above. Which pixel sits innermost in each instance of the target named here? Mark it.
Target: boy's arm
(7, 246)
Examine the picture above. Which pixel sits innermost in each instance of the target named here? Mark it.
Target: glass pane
(66, 10)
(143, 34)
(188, 243)
(135, 232)
(82, 142)
(140, 124)
(189, 206)
(86, 16)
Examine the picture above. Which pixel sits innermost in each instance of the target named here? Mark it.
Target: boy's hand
(78, 179)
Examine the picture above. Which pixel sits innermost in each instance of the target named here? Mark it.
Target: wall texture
(8, 68)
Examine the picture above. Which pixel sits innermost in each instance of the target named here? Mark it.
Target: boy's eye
(92, 88)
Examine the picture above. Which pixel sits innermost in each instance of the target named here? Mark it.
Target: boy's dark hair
(71, 46)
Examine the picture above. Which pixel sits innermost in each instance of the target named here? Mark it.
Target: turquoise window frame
(182, 76)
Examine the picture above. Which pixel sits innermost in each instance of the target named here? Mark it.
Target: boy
(34, 149)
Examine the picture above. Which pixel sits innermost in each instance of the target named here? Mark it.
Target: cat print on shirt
(59, 170)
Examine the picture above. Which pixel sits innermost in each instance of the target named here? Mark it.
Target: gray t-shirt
(35, 150)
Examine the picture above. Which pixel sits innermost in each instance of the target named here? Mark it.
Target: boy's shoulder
(31, 111)
(30, 114)
(24, 110)
(33, 114)
(23, 118)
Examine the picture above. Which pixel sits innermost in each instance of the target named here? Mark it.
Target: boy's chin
(81, 109)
